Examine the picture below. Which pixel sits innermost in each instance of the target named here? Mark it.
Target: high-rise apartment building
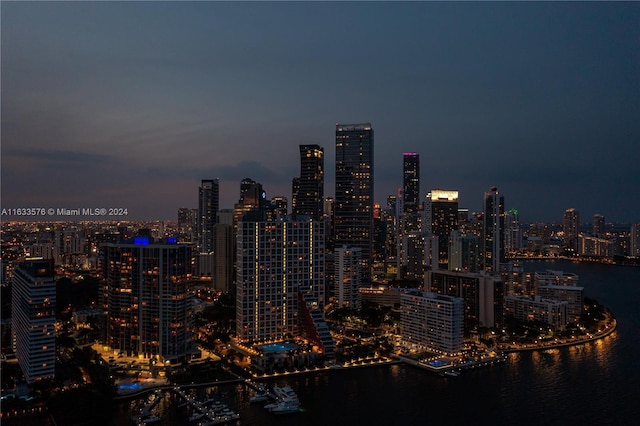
(33, 306)
(348, 271)
(493, 231)
(187, 225)
(353, 220)
(598, 226)
(444, 219)
(571, 228)
(432, 321)
(208, 197)
(411, 181)
(512, 232)
(309, 197)
(277, 262)
(483, 294)
(147, 308)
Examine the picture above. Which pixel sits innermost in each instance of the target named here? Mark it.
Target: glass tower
(354, 190)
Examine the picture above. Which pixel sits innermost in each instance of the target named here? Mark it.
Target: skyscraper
(411, 181)
(33, 304)
(353, 220)
(598, 225)
(571, 228)
(432, 321)
(309, 197)
(493, 230)
(208, 196)
(145, 298)
(277, 261)
(224, 252)
(444, 219)
(252, 197)
(348, 277)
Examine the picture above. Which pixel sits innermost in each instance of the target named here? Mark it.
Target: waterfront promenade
(559, 343)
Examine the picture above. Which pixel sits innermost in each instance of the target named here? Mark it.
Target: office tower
(252, 197)
(354, 190)
(208, 196)
(146, 304)
(483, 294)
(464, 252)
(634, 245)
(411, 182)
(444, 219)
(571, 228)
(187, 225)
(277, 261)
(71, 244)
(277, 208)
(463, 219)
(224, 250)
(33, 307)
(412, 259)
(432, 321)
(598, 226)
(426, 216)
(348, 277)
(310, 193)
(493, 230)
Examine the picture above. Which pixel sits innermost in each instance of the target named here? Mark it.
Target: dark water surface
(595, 383)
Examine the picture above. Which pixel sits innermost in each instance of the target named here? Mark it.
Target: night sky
(131, 104)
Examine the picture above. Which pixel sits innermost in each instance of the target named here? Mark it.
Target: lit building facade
(309, 195)
(528, 309)
(146, 304)
(348, 265)
(208, 196)
(353, 208)
(444, 219)
(432, 321)
(33, 306)
(411, 182)
(483, 295)
(276, 262)
(493, 231)
(571, 229)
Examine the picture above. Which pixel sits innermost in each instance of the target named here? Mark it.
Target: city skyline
(540, 100)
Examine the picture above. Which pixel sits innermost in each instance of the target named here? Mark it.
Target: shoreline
(400, 360)
(602, 335)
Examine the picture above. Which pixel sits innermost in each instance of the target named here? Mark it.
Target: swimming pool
(278, 347)
(438, 363)
(129, 386)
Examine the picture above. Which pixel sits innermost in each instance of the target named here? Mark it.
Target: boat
(146, 420)
(451, 373)
(285, 393)
(196, 416)
(284, 407)
(262, 394)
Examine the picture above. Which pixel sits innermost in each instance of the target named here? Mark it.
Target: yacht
(285, 393)
(284, 407)
(262, 394)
